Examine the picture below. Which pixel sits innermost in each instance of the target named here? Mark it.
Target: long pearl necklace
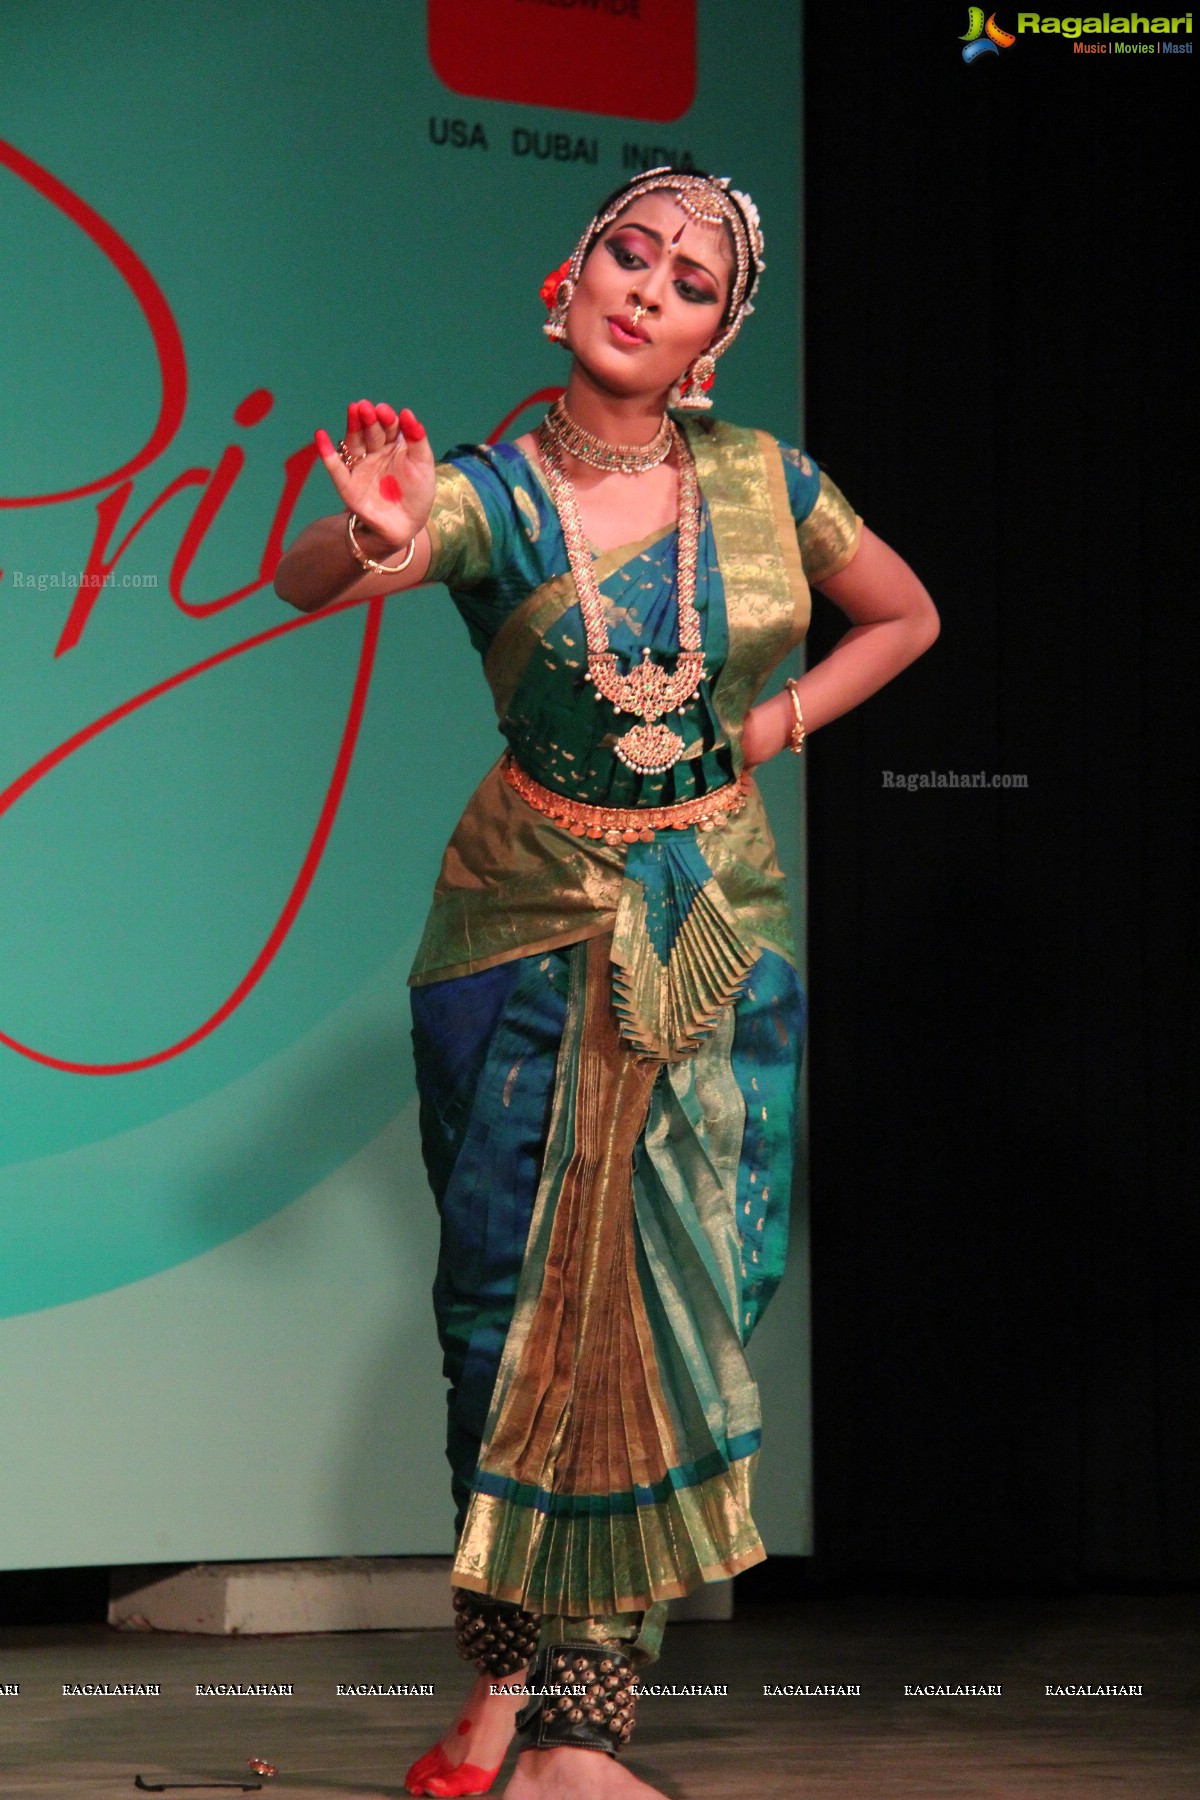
(648, 690)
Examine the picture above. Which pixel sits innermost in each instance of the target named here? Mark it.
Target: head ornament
(709, 200)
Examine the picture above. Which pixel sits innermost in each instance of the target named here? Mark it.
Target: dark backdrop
(1002, 1040)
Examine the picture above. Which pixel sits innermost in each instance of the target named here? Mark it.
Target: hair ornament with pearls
(709, 200)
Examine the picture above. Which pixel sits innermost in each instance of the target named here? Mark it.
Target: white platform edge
(356, 1593)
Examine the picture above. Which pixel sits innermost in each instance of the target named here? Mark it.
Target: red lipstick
(625, 331)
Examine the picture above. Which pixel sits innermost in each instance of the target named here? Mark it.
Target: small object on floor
(262, 1768)
(434, 1773)
(175, 1787)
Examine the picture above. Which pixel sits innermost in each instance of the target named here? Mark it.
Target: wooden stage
(882, 1743)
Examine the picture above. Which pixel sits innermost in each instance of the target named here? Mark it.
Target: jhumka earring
(557, 290)
(690, 392)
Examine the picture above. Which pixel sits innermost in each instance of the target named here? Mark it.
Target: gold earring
(555, 327)
(690, 393)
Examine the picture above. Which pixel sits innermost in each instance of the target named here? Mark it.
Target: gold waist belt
(628, 824)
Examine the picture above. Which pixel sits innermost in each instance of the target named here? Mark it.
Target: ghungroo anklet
(496, 1635)
(599, 1718)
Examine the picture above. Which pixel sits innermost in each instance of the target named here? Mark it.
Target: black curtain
(999, 318)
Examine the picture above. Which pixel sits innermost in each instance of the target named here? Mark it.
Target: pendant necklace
(648, 690)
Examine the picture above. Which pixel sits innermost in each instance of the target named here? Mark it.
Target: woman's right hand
(391, 485)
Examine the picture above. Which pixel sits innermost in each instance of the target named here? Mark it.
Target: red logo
(631, 59)
(116, 531)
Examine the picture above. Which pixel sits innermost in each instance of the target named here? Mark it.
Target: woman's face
(654, 255)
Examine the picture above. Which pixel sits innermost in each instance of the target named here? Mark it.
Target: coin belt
(628, 824)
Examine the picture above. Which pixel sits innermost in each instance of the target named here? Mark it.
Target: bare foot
(570, 1774)
(481, 1733)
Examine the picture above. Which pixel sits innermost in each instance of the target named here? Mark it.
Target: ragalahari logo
(983, 38)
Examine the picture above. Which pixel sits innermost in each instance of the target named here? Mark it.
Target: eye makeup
(625, 248)
(629, 252)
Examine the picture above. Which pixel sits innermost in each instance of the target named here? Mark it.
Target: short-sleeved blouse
(513, 880)
(498, 540)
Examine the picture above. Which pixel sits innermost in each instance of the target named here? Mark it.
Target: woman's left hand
(893, 621)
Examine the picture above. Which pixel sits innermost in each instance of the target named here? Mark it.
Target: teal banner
(220, 821)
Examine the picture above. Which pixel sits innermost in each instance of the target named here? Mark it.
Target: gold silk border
(830, 535)
(579, 1408)
(522, 631)
(639, 1633)
(509, 652)
(714, 1514)
(767, 598)
(589, 1325)
(767, 601)
(459, 535)
(512, 882)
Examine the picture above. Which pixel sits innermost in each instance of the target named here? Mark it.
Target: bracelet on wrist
(796, 736)
(368, 562)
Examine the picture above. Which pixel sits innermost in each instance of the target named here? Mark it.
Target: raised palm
(391, 475)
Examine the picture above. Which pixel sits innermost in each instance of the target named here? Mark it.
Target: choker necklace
(619, 459)
(648, 690)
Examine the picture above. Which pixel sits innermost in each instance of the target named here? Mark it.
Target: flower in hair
(552, 283)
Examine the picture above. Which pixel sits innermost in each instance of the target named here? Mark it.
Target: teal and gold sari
(608, 1041)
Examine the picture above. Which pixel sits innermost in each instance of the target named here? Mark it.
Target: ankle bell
(598, 1718)
(496, 1635)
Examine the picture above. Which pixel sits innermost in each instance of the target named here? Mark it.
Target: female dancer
(607, 1019)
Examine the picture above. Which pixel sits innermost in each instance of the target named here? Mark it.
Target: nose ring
(639, 312)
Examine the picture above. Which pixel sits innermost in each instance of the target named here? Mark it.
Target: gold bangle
(796, 739)
(368, 562)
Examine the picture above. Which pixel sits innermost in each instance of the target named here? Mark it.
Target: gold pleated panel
(622, 1562)
(666, 1009)
(579, 1407)
(512, 882)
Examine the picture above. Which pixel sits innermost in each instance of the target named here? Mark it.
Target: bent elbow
(284, 589)
(926, 627)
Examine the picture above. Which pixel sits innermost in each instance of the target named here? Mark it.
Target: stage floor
(881, 1744)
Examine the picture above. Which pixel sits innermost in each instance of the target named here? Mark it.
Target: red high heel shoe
(434, 1773)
